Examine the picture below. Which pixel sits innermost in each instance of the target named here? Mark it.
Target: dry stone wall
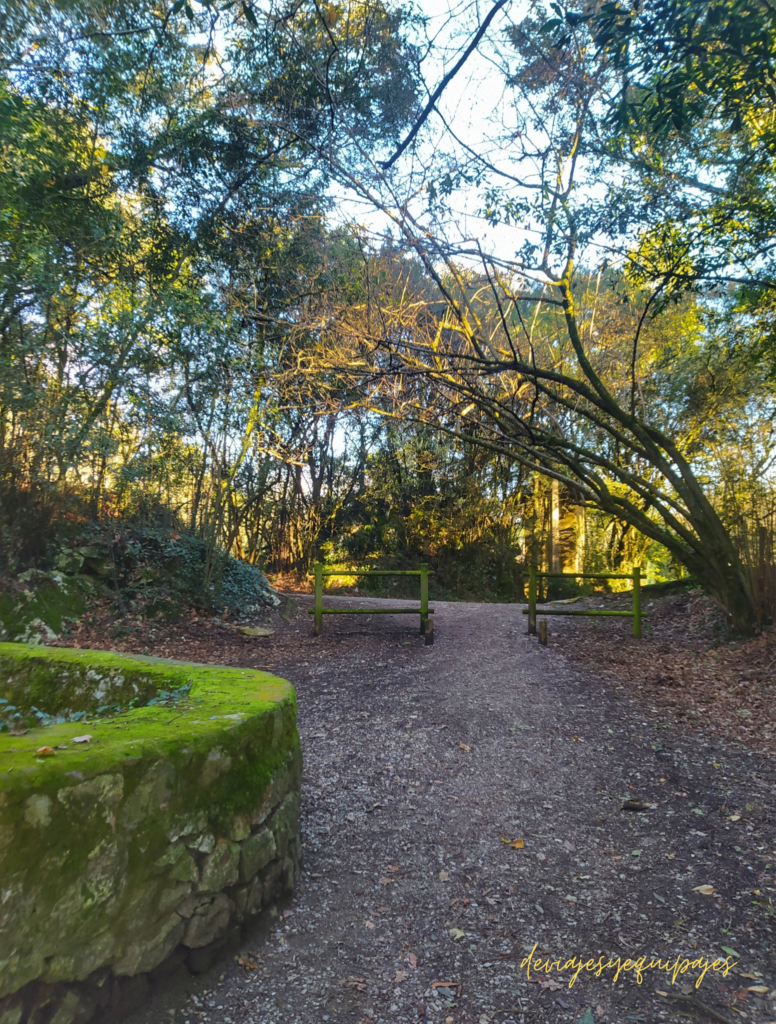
(143, 848)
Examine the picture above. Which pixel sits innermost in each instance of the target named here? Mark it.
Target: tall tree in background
(518, 343)
(161, 227)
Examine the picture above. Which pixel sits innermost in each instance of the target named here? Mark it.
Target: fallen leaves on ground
(683, 662)
(358, 984)
(704, 890)
(551, 984)
(45, 752)
(247, 962)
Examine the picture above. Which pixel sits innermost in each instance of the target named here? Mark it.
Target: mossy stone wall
(175, 822)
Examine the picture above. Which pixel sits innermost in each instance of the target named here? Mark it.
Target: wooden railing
(426, 623)
(532, 611)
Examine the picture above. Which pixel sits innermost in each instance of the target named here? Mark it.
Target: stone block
(12, 1013)
(202, 844)
(81, 960)
(271, 882)
(143, 955)
(98, 795)
(282, 781)
(188, 825)
(238, 894)
(185, 870)
(217, 763)
(220, 868)
(182, 864)
(37, 810)
(256, 853)
(254, 900)
(68, 1009)
(191, 904)
(241, 828)
(209, 922)
(287, 876)
(150, 796)
(285, 823)
(172, 896)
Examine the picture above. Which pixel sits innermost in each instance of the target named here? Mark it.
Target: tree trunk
(555, 555)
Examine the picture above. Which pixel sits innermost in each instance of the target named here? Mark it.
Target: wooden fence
(532, 611)
(426, 623)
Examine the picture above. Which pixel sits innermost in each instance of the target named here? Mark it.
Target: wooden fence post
(637, 601)
(423, 597)
(532, 600)
(543, 632)
(318, 628)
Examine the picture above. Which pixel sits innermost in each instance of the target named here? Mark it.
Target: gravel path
(419, 763)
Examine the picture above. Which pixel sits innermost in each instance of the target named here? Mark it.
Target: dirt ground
(423, 767)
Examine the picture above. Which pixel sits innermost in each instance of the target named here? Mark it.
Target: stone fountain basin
(176, 821)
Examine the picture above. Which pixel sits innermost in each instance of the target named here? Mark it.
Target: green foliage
(426, 499)
(189, 344)
(683, 60)
(161, 234)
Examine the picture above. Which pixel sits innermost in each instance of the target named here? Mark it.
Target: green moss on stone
(222, 707)
(96, 839)
(52, 600)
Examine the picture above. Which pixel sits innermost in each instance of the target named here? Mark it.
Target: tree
(511, 349)
(161, 225)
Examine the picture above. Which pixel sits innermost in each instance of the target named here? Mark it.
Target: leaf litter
(388, 789)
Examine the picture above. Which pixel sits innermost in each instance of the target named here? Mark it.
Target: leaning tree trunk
(719, 569)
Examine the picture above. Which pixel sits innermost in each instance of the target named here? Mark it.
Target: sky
(469, 103)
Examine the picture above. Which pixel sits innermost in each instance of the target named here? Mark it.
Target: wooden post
(318, 568)
(429, 631)
(637, 601)
(532, 600)
(423, 597)
(543, 632)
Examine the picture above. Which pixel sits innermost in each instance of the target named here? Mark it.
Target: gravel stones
(391, 799)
